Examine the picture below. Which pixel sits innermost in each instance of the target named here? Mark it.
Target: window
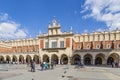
(61, 44)
(119, 46)
(54, 44)
(98, 46)
(108, 46)
(46, 44)
(88, 47)
(78, 47)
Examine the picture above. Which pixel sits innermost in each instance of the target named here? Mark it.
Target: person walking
(31, 65)
(113, 64)
(34, 66)
(52, 65)
(42, 66)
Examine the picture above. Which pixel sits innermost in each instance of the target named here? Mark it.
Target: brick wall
(86, 44)
(116, 43)
(93, 45)
(5, 50)
(41, 44)
(25, 48)
(105, 43)
(77, 44)
(67, 42)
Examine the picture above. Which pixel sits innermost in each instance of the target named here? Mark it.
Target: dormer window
(108, 46)
(98, 46)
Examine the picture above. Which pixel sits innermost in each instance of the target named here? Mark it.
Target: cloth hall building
(95, 48)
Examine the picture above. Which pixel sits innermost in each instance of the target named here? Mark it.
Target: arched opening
(64, 59)
(21, 59)
(113, 58)
(36, 59)
(100, 59)
(54, 59)
(28, 58)
(1, 59)
(76, 58)
(88, 59)
(14, 59)
(8, 59)
(45, 58)
(110, 60)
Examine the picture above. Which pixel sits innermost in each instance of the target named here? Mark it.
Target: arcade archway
(88, 59)
(21, 59)
(8, 59)
(45, 58)
(28, 58)
(64, 59)
(36, 59)
(100, 59)
(54, 58)
(75, 59)
(1, 59)
(114, 57)
(14, 58)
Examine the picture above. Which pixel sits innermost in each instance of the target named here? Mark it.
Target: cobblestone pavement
(60, 72)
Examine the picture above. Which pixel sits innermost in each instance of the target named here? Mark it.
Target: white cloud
(107, 11)
(9, 29)
(4, 16)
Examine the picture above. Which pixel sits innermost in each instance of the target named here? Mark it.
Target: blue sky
(22, 18)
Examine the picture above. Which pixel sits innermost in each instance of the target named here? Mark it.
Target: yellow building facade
(97, 48)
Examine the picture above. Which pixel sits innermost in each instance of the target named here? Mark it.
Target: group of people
(79, 65)
(43, 65)
(114, 65)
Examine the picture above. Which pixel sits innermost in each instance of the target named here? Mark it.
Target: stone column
(82, 61)
(106, 60)
(69, 60)
(93, 61)
(58, 60)
(41, 59)
(24, 61)
(119, 62)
